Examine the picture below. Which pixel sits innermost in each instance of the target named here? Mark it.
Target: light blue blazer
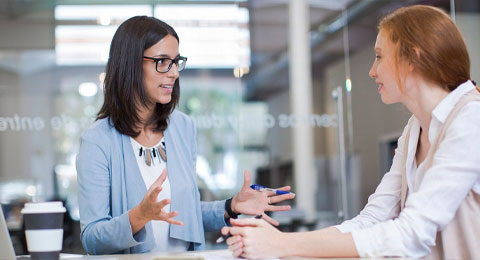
(110, 184)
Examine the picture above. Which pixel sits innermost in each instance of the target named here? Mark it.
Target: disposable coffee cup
(44, 229)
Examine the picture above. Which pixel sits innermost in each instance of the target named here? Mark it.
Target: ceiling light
(104, 20)
(88, 89)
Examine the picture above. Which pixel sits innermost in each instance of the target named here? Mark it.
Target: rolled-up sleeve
(213, 215)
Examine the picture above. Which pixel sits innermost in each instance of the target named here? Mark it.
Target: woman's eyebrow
(161, 56)
(165, 56)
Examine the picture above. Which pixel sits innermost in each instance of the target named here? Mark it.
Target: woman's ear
(410, 67)
(417, 53)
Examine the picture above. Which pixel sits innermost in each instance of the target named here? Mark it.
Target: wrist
(229, 204)
(137, 216)
(234, 204)
(285, 247)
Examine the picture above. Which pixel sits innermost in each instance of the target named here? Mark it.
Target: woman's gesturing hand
(151, 209)
(251, 202)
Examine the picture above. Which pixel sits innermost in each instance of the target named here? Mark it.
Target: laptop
(6, 247)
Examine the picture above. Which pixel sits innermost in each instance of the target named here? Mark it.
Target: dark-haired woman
(428, 204)
(128, 202)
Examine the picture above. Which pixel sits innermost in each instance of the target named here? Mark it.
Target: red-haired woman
(429, 202)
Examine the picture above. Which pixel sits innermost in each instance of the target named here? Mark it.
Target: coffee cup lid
(43, 207)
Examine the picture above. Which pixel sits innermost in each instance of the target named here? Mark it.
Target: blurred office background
(277, 87)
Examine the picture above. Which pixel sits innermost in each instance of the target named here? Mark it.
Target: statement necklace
(159, 152)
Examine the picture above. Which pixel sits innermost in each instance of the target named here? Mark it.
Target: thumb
(225, 230)
(246, 180)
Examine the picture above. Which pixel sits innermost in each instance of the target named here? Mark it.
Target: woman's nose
(373, 73)
(173, 72)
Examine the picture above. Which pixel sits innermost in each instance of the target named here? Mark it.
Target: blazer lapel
(182, 187)
(136, 188)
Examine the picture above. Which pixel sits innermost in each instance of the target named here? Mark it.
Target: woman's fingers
(280, 198)
(284, 188)
(236, 246)
(233, 240)
(161, 204)
(161, 179)
(157, 212)
(237, 253)
(168, 217)
(158, 182)
(270, 220)
(273, 199)
(153, 194)
(246, 180)
(174, 222)
(171, 214)
(250, 222)
(278, 208)
(225, 230)
(156, 187)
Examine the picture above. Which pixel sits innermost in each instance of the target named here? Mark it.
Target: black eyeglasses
(163, 65)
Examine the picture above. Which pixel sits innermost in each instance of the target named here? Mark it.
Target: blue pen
(263, 188)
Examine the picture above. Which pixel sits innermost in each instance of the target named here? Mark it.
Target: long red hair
(428, 39)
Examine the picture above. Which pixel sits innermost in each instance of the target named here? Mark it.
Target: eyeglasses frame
(176, 60)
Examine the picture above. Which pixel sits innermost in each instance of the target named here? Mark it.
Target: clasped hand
(255, 238)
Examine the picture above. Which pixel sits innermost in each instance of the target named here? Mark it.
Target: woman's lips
(380, 86)
(167, 88)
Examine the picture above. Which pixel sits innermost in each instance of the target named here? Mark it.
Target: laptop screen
(6, 247)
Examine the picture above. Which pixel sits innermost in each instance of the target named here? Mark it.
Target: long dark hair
(124, 76)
